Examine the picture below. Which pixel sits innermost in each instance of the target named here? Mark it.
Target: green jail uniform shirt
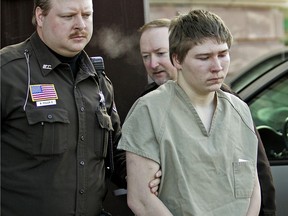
(203, 173)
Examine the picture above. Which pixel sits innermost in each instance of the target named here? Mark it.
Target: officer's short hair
(157, 23)
(45, 5)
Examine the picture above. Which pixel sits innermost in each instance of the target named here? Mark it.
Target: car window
(270, 110)
(257, 70)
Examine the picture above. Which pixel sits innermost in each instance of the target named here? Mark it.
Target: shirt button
(82, 138)
(82, 163)
(49, 116)
(81, 191)
(82, 109)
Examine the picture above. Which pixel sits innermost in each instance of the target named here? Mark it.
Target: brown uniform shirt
(53, 152)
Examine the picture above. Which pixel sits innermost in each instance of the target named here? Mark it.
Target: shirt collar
(48, 61)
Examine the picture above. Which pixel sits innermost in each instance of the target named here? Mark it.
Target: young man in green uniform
(207, 169)
(154, 48)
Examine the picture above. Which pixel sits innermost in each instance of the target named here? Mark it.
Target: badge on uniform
(43, 94)
(102, 98)
(114, 108)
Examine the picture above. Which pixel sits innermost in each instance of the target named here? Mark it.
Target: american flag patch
(43, 92)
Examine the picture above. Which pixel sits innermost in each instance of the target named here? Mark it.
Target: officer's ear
(39, 16)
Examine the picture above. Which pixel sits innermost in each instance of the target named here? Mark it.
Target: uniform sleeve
(115, 159)
(139, 133)
(119, 175)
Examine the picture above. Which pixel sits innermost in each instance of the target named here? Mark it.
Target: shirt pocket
(106, 128)
(48, 132)
(244, 179)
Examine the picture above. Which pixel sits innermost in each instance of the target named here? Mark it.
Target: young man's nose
(216, 65)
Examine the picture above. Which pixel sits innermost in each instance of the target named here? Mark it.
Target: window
(270, 113)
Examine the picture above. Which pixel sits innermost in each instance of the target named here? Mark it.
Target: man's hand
(154, 184)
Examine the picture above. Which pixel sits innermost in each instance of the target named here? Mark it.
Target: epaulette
(12, 52)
